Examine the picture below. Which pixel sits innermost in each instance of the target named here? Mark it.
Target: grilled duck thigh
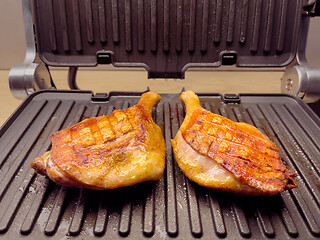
(106, 152)
(218, 153)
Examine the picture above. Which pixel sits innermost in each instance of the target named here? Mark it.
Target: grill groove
(244, 20)
(77, 26)
(282, 25)
(153, 27)
(217, 216)
(78, 216)
(241, 219)
(64, 26)
(56, 212)
(287, 219)
(148, 220)
(102, 21)
(115, 21)
(256, 26)
(89, 18)
(128, 27)
(52, 30)
(218, 20)
(171, 202)
(204, 29)
(269, 25)
(166, 22)
(140, 25)
(263, 216)
(192, 25)
(37, 202)
(179, 25)
(231, 15)
(101, 220)
(125, 219)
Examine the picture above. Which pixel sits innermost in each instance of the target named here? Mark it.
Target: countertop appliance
(166, 38)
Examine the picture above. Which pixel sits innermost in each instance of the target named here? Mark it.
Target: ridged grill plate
(167, 37)
(33, 207)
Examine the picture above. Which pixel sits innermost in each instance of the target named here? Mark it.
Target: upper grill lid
(166, 37)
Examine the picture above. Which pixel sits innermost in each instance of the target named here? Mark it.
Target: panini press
(166, 37)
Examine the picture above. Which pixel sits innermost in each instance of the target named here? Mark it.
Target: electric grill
(165, 37)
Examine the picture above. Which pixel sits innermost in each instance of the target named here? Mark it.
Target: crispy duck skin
(107, 152)
(250, 161)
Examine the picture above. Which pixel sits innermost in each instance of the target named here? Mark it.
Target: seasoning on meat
(107, 152)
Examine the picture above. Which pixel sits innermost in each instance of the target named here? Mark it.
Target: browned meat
(106, 152)
(220, 154)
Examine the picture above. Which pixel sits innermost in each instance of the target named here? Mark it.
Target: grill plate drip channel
(33, 207)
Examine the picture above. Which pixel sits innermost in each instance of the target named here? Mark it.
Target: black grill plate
(33, 207)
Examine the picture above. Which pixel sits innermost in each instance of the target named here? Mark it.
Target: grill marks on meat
(100, 136)
(106, 152)
(239, 147)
